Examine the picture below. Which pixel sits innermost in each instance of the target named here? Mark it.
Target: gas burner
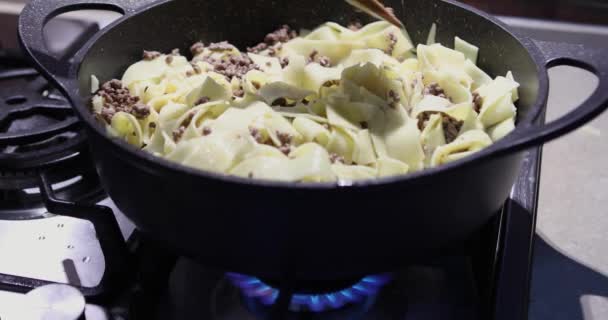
(37, 124)
(324, 300)
(38, 133)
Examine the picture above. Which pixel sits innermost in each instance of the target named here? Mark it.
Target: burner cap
(55, 302)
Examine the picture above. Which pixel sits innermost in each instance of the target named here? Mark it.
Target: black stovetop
(486, 279)
(489, 279)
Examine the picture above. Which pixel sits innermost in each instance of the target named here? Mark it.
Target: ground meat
(279, 102)
(477, 102)
(435, 90)
(258, 48)
(315, 57)
(197, 48)
(235, 66)
(178, 133)
(284, 62)
(279, 36)
(423, 118)
(451, 127)
(392, 41)
(286, 149)
(112, 84)
(150, 55)
(272, 52)
(284, 34)
(284, 138)
(324, 61)
(257, 135)
(174, 53)
(312, 55)
(141, 110)
(239, 93)
(334, 158)
(202, 100)
(188, 119)
(282, 102)
(221, 46)
(393, 99)
(206, 131)
(107, 114)
(331, 83)
(355, 26)
(118, 99)
(195, 70)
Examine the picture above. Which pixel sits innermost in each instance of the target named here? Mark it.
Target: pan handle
(37, 13)
(593, 59)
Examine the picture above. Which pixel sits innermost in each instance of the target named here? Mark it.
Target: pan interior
(178, 24)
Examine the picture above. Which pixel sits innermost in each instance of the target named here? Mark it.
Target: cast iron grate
(37, 124)
(39, 132)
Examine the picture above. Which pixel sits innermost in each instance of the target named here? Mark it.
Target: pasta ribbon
(333, 104)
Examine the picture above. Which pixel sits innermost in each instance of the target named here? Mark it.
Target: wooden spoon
(376, 9)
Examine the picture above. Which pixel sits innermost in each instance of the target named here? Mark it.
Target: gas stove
(68, 253)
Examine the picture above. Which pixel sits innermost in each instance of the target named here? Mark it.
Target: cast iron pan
(306, 231)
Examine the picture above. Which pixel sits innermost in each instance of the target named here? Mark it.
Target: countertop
(570, 269)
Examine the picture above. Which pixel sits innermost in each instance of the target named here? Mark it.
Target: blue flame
(254, 288)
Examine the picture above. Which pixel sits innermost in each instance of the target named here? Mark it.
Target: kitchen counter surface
(570, 270)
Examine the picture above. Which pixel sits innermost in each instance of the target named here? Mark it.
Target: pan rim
(149, 162)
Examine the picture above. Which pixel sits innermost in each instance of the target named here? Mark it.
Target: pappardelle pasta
(332, 104)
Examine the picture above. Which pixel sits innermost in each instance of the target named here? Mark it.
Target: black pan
(306, 231)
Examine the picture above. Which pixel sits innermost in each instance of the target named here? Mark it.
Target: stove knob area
(55, 302)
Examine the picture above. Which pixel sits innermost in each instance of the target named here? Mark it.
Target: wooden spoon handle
(376, 9)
